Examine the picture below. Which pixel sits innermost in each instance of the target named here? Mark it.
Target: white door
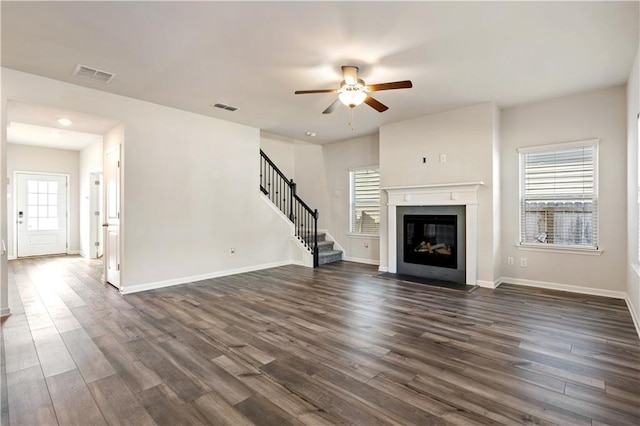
(41, 214)
(112, 217)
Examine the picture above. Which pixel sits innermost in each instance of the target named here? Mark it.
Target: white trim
(74, 252)
(560, 249)
(383, 269)
(361, 260)
(195, 278)
(489, 284)
(433, 186)
(5, 312)
(634, 314)
(300, 263)
(11, 258)
(560, 145)
(15, 205)
(565, 287)
(636, 268)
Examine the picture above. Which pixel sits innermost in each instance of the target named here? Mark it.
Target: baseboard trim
(566, 287)
(11, 257)
(634, 314)
(489, 284)
(300, 263)
(383, 269)
(361, 260)
(5, 312)
(74, 252)
(185, 280)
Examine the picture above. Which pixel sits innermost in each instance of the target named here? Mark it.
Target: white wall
(339, 159)
(280, 150)
(190, 186)
(90, 162)
(466, 136)
(598, 114)
(24, 158)
(633, 186)
(310, 176)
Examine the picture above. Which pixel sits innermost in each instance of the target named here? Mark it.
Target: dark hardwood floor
(291, 345)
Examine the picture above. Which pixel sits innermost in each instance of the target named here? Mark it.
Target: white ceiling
(254, 55)
(29, 134)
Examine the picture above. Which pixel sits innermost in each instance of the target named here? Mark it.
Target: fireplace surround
(461, 195)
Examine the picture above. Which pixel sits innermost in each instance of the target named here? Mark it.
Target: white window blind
(559, 195)
(365, 201)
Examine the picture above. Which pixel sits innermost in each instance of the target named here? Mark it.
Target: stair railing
(282, 192)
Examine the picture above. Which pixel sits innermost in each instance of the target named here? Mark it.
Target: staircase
(326, 252)
(282, 193)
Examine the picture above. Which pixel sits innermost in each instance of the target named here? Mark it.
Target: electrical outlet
(523, 262)
(232, 251)
(443, 158)
(366, 245)
(510, 260)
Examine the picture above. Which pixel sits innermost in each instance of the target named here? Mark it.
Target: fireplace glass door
(431, 240)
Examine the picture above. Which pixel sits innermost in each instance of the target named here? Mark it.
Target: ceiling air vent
(225, 106)
(93, 74)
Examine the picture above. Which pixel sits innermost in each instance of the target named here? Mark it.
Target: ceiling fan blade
(332, 107)
(304, 92)
(406, 84)
(350, 74)
(375, 104)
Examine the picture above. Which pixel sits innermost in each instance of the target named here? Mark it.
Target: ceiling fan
(353, 91)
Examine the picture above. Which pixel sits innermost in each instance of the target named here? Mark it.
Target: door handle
(104, 225)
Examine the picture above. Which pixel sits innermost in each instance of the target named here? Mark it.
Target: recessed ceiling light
(311, 134)
(56, 134)
(64, 122)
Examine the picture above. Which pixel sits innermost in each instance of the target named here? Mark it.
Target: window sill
(367, 236)
(560, 249)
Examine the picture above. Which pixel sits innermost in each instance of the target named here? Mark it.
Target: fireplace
(431, 240)
(401, 200)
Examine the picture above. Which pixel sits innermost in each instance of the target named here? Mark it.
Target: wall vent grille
(225, 106)
(93, 74)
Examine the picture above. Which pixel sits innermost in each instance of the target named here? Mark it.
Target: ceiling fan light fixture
(352, 96)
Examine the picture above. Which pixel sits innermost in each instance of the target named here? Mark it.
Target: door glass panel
(42, 210)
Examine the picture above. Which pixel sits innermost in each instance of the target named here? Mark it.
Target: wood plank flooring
(291, 345)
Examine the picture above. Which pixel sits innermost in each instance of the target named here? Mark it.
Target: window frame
(352, 224)
(574, 249)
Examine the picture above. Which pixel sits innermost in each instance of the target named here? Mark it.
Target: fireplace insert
(431, 240)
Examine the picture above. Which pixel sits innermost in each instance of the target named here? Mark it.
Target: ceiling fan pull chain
(350, 122)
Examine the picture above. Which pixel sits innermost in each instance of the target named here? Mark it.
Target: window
(365, 201)
(559, 190)
(42, 206)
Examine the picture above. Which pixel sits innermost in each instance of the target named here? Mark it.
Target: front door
(41, 214)
(112, 217)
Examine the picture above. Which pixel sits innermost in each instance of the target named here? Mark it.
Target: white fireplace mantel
(446, 194)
